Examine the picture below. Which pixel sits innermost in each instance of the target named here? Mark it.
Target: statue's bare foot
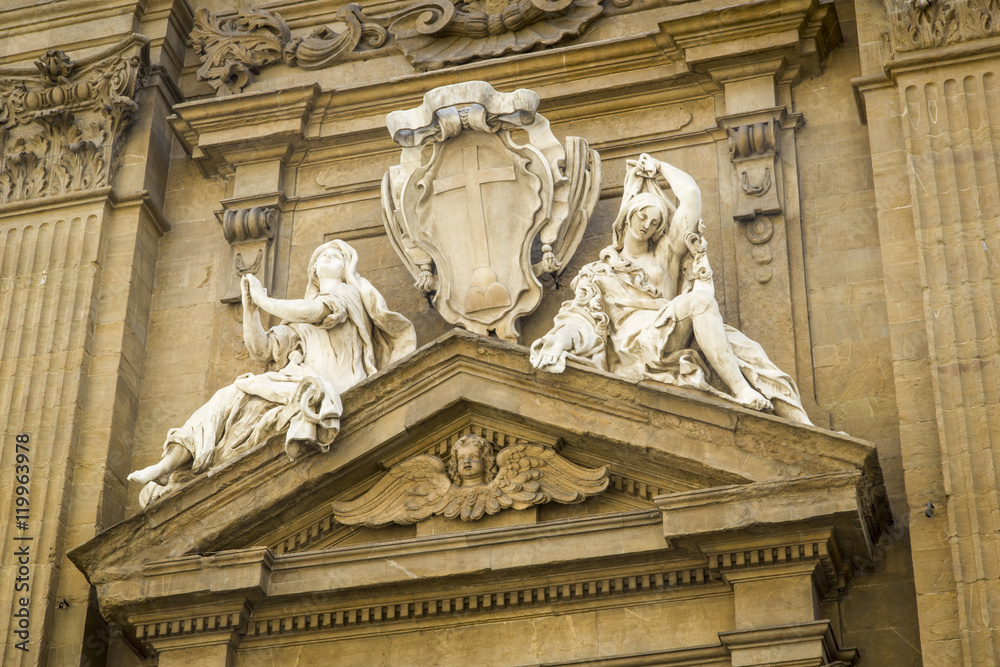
(750, 398)
(152, 473)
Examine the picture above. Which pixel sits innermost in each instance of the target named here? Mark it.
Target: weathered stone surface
(866, 271)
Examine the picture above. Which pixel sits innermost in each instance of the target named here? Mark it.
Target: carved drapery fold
(925, 24)
(63, 123)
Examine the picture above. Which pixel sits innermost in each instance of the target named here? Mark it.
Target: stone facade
(155, 152)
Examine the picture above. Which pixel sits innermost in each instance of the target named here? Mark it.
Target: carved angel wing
(407, 494)
(528, 475)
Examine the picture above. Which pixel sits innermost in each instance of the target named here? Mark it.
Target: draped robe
(622, 324)
(316, 363)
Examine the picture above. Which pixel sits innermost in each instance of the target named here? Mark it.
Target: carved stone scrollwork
(431, 33)
(250, 232)
(234, 49)
(753, 148)
(925, 24)
(436, 33)
(64, 123)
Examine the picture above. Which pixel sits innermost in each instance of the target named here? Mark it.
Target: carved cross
(472, 178)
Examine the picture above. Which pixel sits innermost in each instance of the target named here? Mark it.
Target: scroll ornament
(473, 483)
(63, 123)
(233, 49)
(431, 33)
(925, 24)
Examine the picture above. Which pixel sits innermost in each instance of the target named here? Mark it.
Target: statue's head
(472, 461)
(645, 217)
(334, 258)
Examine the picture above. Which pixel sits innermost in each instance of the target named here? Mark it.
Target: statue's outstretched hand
(245, 297)
(550, 351)
(256, 290)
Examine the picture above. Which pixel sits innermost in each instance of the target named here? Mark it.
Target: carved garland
(63, 126)
(431, 33)
(924, 24)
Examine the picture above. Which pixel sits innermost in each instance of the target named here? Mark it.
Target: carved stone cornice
(799, 634)
(801, 33)
(926, 24)
(222, 133)
(64, 123)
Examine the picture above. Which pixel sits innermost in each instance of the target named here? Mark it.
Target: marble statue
(474, 482)
(337, 335)
(481, 190)
(647, 309)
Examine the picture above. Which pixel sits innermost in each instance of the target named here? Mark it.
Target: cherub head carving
(472, 461)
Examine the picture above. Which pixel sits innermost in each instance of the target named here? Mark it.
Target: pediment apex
(654, 438)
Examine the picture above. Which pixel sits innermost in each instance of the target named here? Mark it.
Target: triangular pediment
(656, 441)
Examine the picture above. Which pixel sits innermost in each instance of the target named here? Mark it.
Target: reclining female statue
(647, 308)
(336, 336)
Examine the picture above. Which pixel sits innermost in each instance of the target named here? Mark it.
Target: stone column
(933, 118)
(81, 179)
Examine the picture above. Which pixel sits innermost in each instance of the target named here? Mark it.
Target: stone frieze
(234, 48)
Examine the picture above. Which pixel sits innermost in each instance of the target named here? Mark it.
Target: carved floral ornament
(924, 24)
(64, 123)
(431, 33)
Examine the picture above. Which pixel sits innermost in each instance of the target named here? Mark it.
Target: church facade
(500, 482)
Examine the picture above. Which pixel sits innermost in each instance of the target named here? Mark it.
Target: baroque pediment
(656, 442)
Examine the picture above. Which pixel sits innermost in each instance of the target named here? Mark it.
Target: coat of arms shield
(469, 203)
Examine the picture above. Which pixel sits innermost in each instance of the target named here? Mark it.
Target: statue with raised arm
(327, 342)
(647, 308)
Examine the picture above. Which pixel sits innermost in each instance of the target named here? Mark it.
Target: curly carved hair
(485, 451)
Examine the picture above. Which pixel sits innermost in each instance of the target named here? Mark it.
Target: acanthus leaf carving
(926, 24)
(64, 126)
(431, 33)
(234, 49)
